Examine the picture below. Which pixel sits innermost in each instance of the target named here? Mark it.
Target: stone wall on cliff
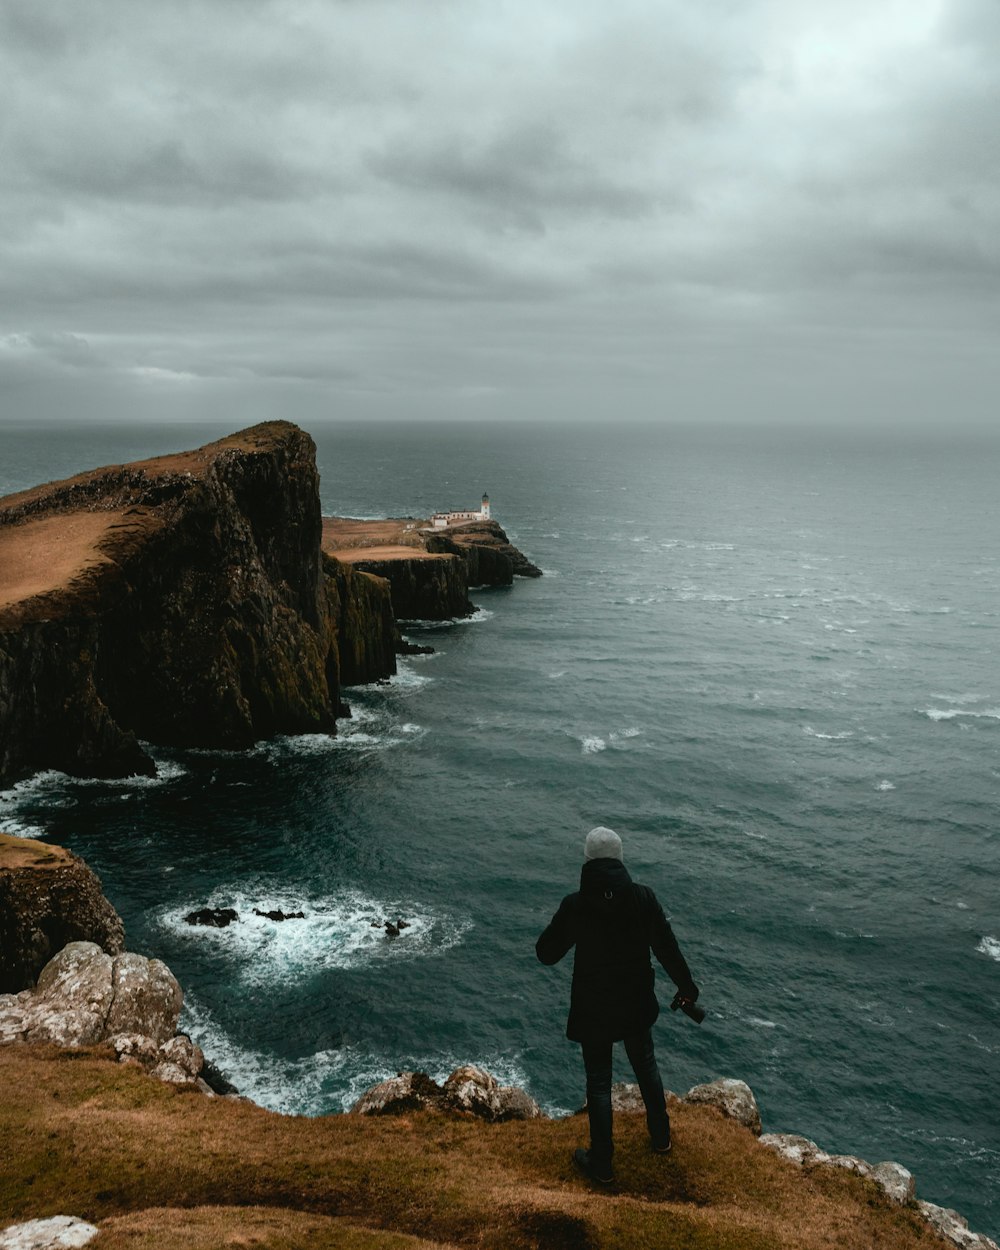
(201, 613)
(48, 897)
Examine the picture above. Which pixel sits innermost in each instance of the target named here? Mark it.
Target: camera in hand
(688, 1006)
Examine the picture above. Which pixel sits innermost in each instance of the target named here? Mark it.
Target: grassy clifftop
(158, 1167)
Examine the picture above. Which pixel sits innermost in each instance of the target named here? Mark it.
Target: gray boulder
(733, 1098)
(474, 1091)
(61, 1232)
(894, 1180)
(85, 996)
(796, 1149)
(406, 1091)
(954, 1228)
(177, 1061)
(468, 1090)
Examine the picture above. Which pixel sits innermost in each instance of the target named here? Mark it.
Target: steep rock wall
(365, 628)
(199, 617)
(48, 897)
(426, 588)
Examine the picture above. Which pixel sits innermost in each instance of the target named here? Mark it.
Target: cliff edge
(180, 601)
(48, 898)
(429, 570)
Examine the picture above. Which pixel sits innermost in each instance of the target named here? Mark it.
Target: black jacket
(614, 923)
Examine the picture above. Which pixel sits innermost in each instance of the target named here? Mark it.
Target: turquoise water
(768, 660)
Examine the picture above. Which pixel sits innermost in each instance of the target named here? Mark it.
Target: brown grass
(27, 853)
(39, 557)
(161, 1167)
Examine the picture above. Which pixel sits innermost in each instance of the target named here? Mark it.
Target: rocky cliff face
(424, 588)
(181, 601)
(491, 558)
(363, 621)
(48, 897)
(429, 571)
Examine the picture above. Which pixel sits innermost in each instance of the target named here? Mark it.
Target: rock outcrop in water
(48, 897)
(181, 601)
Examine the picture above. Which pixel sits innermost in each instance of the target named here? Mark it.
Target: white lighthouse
(484, 512)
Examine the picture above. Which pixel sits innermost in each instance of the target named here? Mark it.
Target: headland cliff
(199, 600)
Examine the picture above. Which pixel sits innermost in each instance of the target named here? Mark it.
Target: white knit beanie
(602, 843)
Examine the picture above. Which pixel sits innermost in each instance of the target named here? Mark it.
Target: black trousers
(597, 1062)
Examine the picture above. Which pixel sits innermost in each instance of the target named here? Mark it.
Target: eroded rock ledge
(48, 897)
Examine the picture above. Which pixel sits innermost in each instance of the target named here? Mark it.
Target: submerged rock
(214, 917)
(279, 915)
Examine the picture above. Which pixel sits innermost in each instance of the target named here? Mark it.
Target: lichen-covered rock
(59, 1232)
(796, 1149)
(182, 1053)
(896, 1181)
(733, 1098)
(476, 1092)
(48, 898)
(406, 1091)
(954, 1228)
(627, 1097)
(85, 996)
(467, 1091)
(134, 1048)
(146, 998)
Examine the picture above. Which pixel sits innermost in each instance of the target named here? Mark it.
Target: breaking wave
(327, 1081)
(341, 930)
(990, 946)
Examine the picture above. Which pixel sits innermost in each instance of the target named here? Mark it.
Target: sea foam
(329, 1080)
(341, 930)
(990, 946)
(952, 713)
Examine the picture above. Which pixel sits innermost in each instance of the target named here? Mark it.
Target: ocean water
(768, 659)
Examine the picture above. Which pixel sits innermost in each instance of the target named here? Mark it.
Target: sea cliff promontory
(200, 600)
(178, 601)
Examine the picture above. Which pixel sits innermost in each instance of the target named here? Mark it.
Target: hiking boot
(661, 1148)
(582, 1160)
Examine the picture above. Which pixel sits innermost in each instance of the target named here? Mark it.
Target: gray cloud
(375, 209)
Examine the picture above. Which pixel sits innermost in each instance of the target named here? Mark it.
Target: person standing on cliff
(614, 923)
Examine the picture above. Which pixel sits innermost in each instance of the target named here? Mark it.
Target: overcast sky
(718, 210)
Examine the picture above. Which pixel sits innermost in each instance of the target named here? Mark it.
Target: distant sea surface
(768, 659)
